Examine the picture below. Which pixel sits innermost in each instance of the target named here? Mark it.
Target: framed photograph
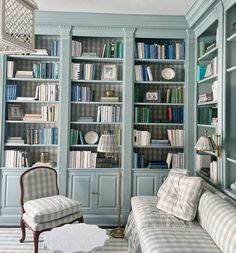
(109, 72)
(152, 96)
(15, 112)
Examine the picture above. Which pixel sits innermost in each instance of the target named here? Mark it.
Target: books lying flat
(85, 119)
(109, 99)
(157, 165)
(25, 98)
(24, 74)
(15, 140)
(49, 164)
(40, 52)
(34, 117)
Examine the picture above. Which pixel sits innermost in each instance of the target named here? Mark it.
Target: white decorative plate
(91, 137)
(168, 73)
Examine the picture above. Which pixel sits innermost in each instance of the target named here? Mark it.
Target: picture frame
(15, 112)
(109, 72)
(152, 96)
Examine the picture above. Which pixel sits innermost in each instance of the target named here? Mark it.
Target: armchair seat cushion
(50, 208)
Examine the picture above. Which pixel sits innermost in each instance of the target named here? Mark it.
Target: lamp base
(117, 232)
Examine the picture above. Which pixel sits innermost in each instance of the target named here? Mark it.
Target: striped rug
(9, 243)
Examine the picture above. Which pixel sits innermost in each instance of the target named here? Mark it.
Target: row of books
(83, 71)
(76, 48)
(175, 114)
(207, 115)
(81, 93)
(76, 137)
(47, 92)
(82, 159)
(42, 136)
(142, 114)
(49, 113)
(54, 49)
(175, 160)
(207, 70)
(160, 50)
(143, 73)
(16, 158)
(176, 137)
(175, 95)
(141, 138)
(113, 50)
(12, 91)
(109, 113)
(46, 70)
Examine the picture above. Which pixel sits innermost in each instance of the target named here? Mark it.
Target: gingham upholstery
(39, 183)
(176, 240)
(218, 217)
(181, 195)
(174, 170)
(50, 208)
(51, 224)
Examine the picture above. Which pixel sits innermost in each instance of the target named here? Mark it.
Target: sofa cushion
(218, 217)
(176, 170)
(180, 196)
(50, 208)
(176, 240)
(147, 215)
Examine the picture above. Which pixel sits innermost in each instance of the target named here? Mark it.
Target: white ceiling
(154, 7)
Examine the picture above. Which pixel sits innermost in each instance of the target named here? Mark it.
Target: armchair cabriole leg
(36, 241)
(81, 219)
(22, 226)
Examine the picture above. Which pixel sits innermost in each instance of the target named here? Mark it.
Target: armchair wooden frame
(24, 224)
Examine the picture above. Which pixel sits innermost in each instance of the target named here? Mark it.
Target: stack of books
(32, 117)
(109, 99)
(40, 52)
(205, 97)
(142, 138)
(85, 119)
(104, 162)
(24, 74)
(49, 164)
(15, 140)
(157, 165)
(160, 142)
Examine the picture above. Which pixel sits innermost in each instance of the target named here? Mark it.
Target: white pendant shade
(107, 143)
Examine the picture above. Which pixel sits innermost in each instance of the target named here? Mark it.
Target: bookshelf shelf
(84, 146)
(160, 104)
(30, 122)
(98, 81)
(231, 69)
(32, 101)
(158, 124)
(35, 58)
(160, 82)
(33, 79)
(232, 38)
(210, 103)
(208, 179)
(207, 126)
(97, 59)
(209, 55)
(158, 146)
(231, 160)
(160, 61)
(208, 79)
(146, 169)
(95, 123)
(96, 103)
(31, 145)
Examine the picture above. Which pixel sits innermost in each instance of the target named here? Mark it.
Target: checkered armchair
(42, 208)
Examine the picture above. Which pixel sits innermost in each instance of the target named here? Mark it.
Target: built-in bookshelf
(230, 93)
(96, 99)
(207, 100)
(32, 103)
(158, 124)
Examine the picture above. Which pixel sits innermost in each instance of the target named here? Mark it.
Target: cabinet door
(107, 191)
(144, 185)
(81, 189)
(11, 192)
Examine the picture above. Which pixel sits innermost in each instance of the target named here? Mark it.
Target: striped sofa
(150, 230)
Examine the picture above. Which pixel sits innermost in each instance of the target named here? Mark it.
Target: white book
(10, 69)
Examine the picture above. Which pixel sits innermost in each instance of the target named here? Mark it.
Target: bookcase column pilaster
(64, 116)
(127, 151)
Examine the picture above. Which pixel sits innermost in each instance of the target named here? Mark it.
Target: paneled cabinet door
(81, 188)
(148, 183)
(11, 192)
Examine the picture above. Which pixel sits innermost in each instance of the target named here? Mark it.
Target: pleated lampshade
(107, 143)
(205, 143)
